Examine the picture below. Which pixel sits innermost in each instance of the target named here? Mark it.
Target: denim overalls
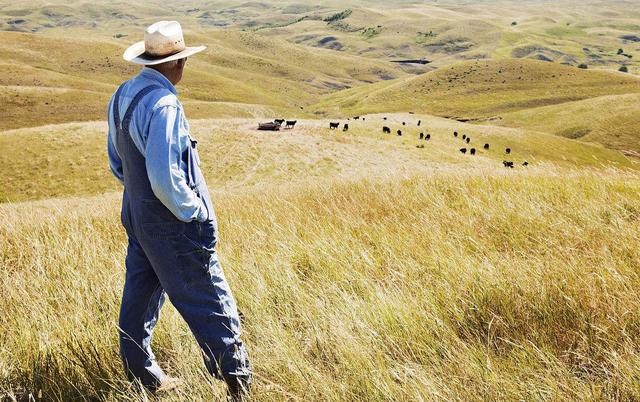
(167, 255)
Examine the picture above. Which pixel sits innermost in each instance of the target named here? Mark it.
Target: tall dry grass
(441, 287)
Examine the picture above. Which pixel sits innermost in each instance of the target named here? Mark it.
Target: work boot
(168, 385)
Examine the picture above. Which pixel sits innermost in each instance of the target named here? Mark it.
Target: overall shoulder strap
(116, 109)
(126, 120)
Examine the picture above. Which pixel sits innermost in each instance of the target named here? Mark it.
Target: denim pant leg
(227, 356)
(142, 300)
(193, 279)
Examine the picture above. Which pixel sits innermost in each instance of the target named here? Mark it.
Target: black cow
(419, 122)
(468, 140)
(464, 136)
(455, 134)
(345, 127)
(472, 151)
(279, 121)
(525, 163)
(486, 146)
(508, 150)
(291, 123)
(403, 123)
(508, 164)
(428, 137)
(463, 150)
(386, 130)
(333, 126)
(356, 118)
(384, 118)
(363, 119)
(399, 132)
(421, 135)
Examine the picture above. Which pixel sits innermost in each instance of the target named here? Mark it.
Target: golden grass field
(366, 268)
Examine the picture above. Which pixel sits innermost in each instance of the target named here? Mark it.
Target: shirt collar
(154, 75)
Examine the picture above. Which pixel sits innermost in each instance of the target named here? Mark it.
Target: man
(169, 219)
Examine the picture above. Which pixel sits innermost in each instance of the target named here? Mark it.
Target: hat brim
(136, 54)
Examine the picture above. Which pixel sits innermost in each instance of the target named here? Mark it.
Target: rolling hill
(611, 120)
(596, 106)
(445, 32)
(61, 79)
(69, 159)
(365, 268)
(480, 89)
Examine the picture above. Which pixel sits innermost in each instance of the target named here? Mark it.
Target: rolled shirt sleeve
(163, 151)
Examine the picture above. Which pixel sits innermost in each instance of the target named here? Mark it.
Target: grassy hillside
(70, 160)
(51, 79)
(610, 120)
(443, 32)
(458, 285)
(449, 31)
(480, 89)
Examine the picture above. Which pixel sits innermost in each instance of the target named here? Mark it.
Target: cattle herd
(427, 136)
(422, 135)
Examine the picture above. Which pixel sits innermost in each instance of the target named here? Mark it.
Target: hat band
(150, 56)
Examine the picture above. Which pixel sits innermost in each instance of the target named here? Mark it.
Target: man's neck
(166, 74)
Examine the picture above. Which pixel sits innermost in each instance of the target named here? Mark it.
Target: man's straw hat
(163, 41)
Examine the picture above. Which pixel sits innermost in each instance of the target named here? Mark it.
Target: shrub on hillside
(623, 69)
(338, 16)
(423, 37)
(583, 66)
(370, 32)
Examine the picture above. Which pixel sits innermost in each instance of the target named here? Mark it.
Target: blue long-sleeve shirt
(160, 131)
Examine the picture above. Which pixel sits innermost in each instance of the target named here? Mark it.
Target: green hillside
(51, 79)
(480, 89)
(612, 120)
